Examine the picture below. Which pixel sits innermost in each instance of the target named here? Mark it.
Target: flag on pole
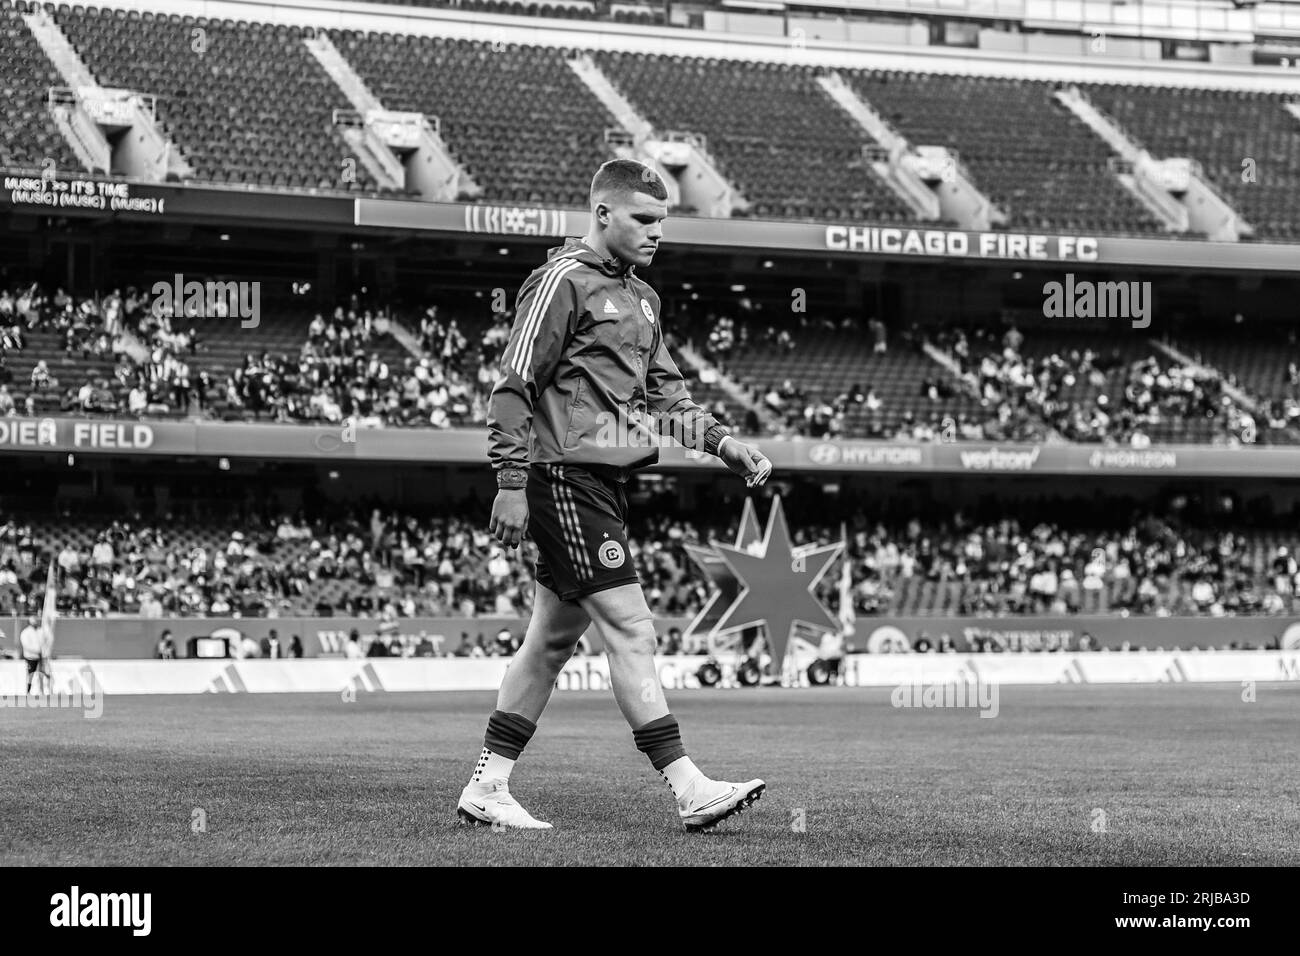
(846, 615)
(48, 614)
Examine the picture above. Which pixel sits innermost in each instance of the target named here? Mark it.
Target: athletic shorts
(577, 516)
(33, 665)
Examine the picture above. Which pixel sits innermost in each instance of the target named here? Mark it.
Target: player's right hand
(509, 517)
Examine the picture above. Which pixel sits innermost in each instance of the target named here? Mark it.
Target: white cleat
(489, 804)
(706, 803)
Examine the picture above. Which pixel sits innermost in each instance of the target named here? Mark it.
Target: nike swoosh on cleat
(477, 807)
(713, 803)
(745, 803)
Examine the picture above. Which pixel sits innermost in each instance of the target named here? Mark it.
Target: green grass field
(1069, 775)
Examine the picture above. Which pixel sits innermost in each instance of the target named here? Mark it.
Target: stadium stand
(1265, 362)
(519, 120)
(1130, 395)
(28, 137)
(775, 134)
(364, 559)
(249, 106)
(246, 102)
(1055, 175)
(1222, 130)
(807, 377)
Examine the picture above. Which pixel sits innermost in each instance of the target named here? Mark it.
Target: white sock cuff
(679, 774)
(492, 766)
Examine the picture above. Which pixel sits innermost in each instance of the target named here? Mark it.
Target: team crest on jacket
(648, 312)
(610, 554)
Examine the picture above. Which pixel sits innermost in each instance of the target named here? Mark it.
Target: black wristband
(713, 438)
(512, 478)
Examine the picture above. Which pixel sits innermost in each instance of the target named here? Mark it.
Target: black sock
(661, 741)
(508, 734)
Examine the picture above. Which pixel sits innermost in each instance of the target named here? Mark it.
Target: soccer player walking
(585, 365)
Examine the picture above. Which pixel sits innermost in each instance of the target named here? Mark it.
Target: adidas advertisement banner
(351, 679)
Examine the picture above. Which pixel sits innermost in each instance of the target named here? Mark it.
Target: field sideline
(1065, 775)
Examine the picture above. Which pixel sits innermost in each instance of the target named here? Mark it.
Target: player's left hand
(746, 461)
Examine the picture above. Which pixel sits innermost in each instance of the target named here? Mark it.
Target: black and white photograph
(842, 434)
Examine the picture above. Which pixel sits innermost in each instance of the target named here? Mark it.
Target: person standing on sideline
(35, 651)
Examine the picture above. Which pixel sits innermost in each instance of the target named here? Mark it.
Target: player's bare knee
(636, 636)
(559, 645)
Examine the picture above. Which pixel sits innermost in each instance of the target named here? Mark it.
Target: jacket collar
(578, 249)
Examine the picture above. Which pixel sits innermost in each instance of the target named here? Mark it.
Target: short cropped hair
(628, 176)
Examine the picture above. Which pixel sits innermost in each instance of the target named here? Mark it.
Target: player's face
(635, 228)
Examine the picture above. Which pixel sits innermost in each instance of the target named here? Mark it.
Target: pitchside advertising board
(917, 680)
(74, 195)
(469, 446)
(136, 638)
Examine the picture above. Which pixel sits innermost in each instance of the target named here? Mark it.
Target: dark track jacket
(586, 369)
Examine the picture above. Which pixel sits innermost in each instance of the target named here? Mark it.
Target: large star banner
(725, 587)
(767, 581)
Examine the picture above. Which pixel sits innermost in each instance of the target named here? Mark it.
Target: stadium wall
(84, 684)
(324, 637)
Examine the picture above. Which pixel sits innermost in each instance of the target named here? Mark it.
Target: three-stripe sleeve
(544, 316)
